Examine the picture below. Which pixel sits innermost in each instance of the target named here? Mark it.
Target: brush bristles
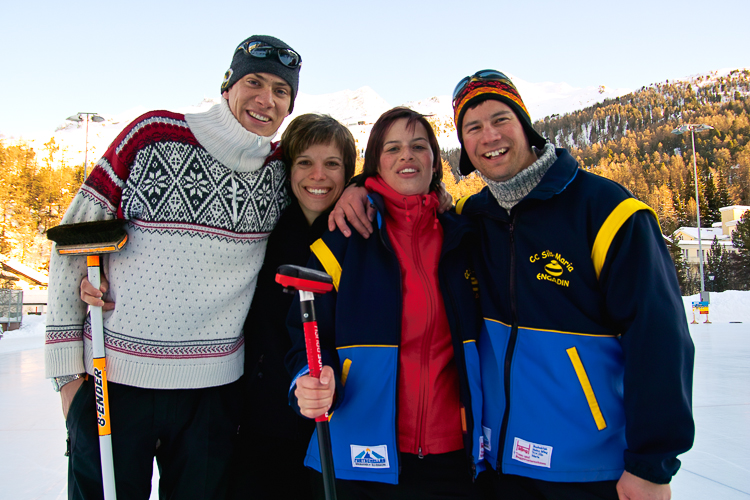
(88, 238)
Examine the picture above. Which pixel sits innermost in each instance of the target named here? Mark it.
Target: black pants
(435, 477)
(191, 433)
(270, 469)
(495, 486)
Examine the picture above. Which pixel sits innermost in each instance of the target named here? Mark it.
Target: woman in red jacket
(403, 427)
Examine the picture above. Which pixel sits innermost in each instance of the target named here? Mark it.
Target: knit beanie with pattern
(477, 91)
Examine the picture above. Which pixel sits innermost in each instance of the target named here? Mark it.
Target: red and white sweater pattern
(201, 195)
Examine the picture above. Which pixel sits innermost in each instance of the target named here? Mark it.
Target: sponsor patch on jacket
(539, 455)
(370, 457)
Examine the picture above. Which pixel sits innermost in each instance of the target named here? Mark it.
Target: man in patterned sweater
(200, 193)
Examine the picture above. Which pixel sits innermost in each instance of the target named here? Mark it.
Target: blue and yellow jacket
(359, 324)
(586, 359)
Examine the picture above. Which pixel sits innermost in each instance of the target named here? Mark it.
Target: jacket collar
(557, 178)
(554, 182)
(455, 226)
(409, 213)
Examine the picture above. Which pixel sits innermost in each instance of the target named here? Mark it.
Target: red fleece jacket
(429, 410)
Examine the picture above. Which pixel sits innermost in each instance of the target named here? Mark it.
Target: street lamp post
(78, 117)
(693, 128)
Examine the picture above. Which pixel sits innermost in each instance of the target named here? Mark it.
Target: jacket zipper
(510, 349)
(386, 244)
(426, 340)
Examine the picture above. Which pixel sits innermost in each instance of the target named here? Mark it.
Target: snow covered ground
(32, 431)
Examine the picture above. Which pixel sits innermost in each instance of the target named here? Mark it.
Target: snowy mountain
(358, 109)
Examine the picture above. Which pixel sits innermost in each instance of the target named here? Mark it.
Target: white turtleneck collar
(227, 140)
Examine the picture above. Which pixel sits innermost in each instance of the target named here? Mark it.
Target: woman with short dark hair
(319, 153)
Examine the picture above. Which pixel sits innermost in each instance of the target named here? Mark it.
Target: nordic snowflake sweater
(201, 195)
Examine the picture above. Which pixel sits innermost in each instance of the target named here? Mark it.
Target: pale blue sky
(59, 58)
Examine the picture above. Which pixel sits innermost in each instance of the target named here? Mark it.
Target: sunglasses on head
(480, 76)
(287, 57)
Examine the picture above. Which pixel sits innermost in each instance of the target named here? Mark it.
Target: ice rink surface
(32, 430)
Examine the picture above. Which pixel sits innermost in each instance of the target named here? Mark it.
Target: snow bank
(732, 306)
(29, 336)
(31, 326)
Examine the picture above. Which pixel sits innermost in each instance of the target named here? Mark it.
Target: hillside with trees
(629, 140)
(36, 190)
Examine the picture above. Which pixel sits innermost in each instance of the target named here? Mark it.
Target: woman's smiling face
(317, 178)
(406, 161)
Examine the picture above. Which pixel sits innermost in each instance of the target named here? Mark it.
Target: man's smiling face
(260, 102)
(495, 141)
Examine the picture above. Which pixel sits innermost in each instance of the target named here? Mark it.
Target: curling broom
(307, 282)
(92, 239)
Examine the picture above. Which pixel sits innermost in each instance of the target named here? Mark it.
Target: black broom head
(88, 238)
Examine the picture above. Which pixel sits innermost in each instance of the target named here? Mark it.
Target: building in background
(28, 285)
(687, 237)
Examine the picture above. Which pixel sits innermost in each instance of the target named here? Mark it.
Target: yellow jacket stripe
(611, 226)
(344, 375)
(326, 257)
(587, 390)
(345, 370)
(460, 204)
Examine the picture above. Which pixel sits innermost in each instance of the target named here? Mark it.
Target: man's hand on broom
(94, 297)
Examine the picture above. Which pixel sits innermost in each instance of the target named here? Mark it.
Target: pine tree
(680, 266)
(741, 241)
(712, 203)
(741, 236)
(723, 195)
(717, 267)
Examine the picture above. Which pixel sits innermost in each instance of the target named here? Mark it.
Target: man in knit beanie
(586, 357)
(263, 77)
(200, 193)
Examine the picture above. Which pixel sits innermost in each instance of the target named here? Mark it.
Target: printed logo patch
(539, 455)
(370, 457)
(554, 266)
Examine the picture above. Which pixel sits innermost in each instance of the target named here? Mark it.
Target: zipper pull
(420, 453)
